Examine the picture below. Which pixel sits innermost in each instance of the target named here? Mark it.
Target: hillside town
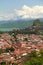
(15, 49)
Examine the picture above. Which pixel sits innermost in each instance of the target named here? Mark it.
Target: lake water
(7, 29)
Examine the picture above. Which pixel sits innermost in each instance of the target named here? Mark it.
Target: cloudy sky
(20, 9)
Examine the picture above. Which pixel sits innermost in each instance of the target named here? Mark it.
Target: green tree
(10, 63)
(33, 54)
(3, 63)
(9, 49)
(41, 52)
(1, 51)
(33, 61)
(25, 39)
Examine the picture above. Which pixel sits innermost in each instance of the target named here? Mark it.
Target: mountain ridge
(17, 24)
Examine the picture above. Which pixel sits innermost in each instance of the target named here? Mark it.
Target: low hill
(19, 24)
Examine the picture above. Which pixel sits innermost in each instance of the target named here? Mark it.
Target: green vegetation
(41, 52)
(9, 49)
(34, 59)
(18, 24)
(40, 32)
(25, 39)
(36, 28)
(1, 51)
(33, 54)
(14, 35)
(3, 63)
(23, 27)
(10, 63)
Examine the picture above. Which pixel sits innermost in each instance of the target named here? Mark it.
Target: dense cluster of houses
(23, 44)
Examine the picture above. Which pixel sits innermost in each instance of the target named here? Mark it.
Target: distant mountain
(35, 28)
(16, 24)
(41, 19)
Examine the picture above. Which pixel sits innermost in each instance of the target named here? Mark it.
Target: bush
(9, 49)
(1, 51)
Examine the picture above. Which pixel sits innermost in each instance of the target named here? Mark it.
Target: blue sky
(9, 5)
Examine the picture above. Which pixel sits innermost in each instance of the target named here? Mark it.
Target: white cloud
(25, 12)
(30, 12)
